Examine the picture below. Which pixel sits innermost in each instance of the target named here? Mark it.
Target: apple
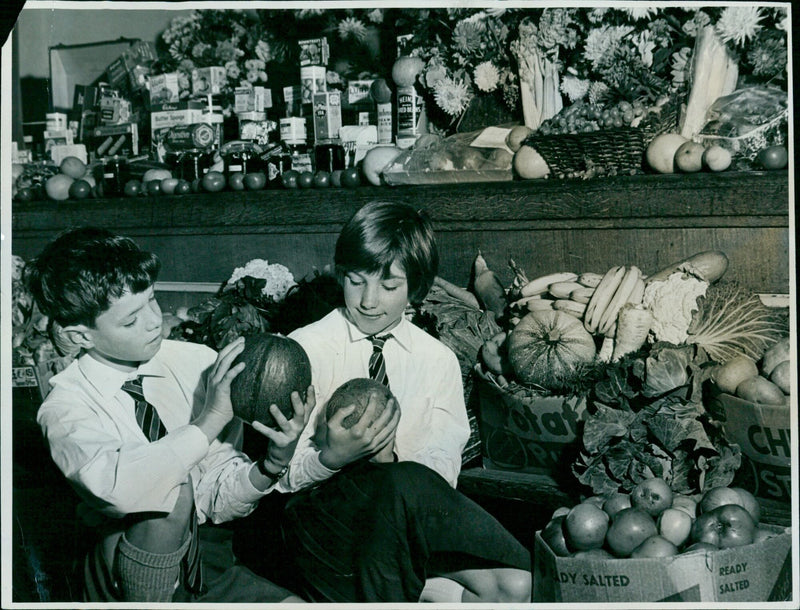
(168, 186)
(615, 502)
(716, 497)
(655, 546)
(305, 180)
(660, 152)
(553, 535)
(725, 526)
(652, 495)
(236, 181)
(630, 527)
(675, 525)
(585, 526)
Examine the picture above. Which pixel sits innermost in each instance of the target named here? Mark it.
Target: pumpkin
(275, 367)
(547, 349)
(357, 392)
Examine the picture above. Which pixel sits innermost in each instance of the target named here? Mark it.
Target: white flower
(278, 278)
(637, 13)
(232, 70)
(645, 45)
(452, 96)
(263, 51)
(350, 27)
(574, 88)
(375, 15)
(738, 24)
(486, 76)
(680, 66)
(602, 42)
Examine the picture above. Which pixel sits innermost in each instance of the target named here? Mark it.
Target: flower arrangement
(534, 60)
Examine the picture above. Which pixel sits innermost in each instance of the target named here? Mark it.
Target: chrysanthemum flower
(738, 24)
(375, 15)
(637, 13)
(602, 42)
(574, 88)
(679, 65)
(768, 58)
(696, 23)
(467, 36)
(596, 15)
(486, 76)
(451, 95)
(232, 70)
(350, 27)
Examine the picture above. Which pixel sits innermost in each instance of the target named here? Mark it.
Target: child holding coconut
(143, 429)
(342, 523)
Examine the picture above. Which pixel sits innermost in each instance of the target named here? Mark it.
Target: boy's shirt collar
(401, 332)
(107, 380)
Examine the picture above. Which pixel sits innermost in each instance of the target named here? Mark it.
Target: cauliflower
(673, 303)
(278, 279)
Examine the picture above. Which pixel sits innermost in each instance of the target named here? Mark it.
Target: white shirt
(424, 376)
(90, 425)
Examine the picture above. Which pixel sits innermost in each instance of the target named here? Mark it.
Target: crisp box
(763, 434)
(525, 432)
(165, 116)
(757, 572)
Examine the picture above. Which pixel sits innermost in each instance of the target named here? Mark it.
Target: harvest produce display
(642, 350)
(652, 521)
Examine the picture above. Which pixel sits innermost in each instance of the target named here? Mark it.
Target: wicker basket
(609, 151)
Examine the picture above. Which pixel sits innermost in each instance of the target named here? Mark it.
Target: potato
(760, 390)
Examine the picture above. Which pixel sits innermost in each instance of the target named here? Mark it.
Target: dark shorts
(372, 532)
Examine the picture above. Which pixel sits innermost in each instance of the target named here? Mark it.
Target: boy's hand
(284, 440)
(340, 446)
(218, 410)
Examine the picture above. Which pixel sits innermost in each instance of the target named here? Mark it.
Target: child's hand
(283, 441)
(218, 410)
(340, 446)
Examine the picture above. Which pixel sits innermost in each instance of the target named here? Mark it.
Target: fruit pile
(652, 521)
(766, 381)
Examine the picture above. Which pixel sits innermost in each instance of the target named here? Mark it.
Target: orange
(72, 167)
(57, 187)
(405, 70)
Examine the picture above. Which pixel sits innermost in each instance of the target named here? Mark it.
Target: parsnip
(633, 326)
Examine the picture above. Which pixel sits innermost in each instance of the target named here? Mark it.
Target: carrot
(633, 326)
(457, 292)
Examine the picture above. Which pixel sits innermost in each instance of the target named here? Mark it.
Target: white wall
(39, 29)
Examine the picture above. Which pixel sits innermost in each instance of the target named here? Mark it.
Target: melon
(275, 367)
(547, 349)
(357, 392)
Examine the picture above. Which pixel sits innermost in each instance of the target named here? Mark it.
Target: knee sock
(145, 576)
(441, 590)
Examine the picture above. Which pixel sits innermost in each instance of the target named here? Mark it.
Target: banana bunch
(594, 298)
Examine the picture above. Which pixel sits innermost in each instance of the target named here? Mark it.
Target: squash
(275, 367)
(357, 392)
(547, 349)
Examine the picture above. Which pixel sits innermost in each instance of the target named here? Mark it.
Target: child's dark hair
(77, 275)
(381, 233)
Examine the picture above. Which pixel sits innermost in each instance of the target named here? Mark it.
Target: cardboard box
(107, 140)
(165, 116)
(757, 572)
(312, 81)
(209, 81)
(314, 52)
(164, 88)
(763, 433)
(520, 431)
(327, 115)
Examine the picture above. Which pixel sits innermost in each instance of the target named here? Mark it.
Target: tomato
(153, 187)
(630, 527)
(615, 502)
(24, 194)
(585, 526)
(183, 187)
(255, 181)
(725, 526)
(305, 180)
(236, 181)
(350, 177)
(322, 179)
(80, 189)
(213, 181)
(289, 178)
(336, 177)
(168, 185)
(132, 188)
(773, 157)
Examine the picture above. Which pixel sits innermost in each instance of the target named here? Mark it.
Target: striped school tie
(153, 428)
(377, 365)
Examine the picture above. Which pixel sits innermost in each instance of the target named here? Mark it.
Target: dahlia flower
(451, 95)
(486, 76)
(738, 24)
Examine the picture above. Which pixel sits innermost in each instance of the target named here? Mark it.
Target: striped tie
(377, 365)
(153, 428)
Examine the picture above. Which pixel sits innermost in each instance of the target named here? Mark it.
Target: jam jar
(193, 164)
(329, 155)
(115, 175)
(241, 156)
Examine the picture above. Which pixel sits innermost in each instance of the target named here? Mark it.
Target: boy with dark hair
(143, 427)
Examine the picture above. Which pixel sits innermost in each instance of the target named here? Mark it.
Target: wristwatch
(273, 476)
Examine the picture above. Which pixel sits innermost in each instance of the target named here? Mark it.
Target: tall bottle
(411, 118)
